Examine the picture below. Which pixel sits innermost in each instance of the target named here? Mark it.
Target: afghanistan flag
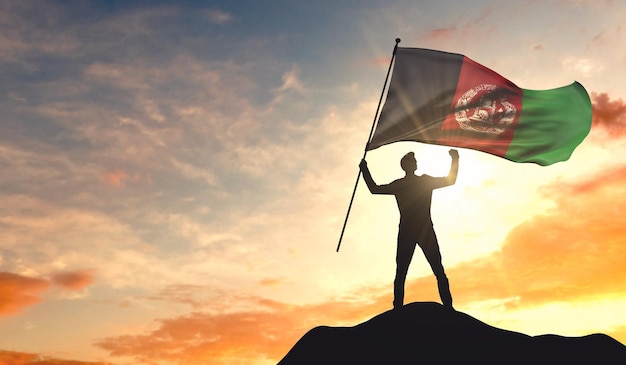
(448, 99)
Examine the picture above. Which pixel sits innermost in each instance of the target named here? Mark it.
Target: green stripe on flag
(551, 125)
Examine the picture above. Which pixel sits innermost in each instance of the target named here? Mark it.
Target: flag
(448, 99)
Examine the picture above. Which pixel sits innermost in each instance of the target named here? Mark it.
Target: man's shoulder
(428, 180)
(425, 177)
(397, 184)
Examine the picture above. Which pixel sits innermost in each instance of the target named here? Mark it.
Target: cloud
(40, 237)
(574, 252)
(463, 29)
(270, 282)
(196, 296)
(116, 177)
(607, 37)
(585, 67)
(18, 292)
(291, 81)
(442, 34)
(73, 280)
(23, 358)
(254, 336)
(194, 172)
(610, 115)
(606, 179)
(137, 102)
(217, 16)
(52, 39)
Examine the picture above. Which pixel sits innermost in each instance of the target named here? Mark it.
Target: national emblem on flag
(448, 99)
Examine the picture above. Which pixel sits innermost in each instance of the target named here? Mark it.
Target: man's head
(408, 163)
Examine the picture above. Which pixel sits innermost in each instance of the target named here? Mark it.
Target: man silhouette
(414, 195)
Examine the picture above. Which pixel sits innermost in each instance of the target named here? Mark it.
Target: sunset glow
(176, 176)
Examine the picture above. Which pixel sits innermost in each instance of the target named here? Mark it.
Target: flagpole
(358, 176)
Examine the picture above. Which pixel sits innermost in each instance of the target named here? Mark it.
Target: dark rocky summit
(428, 333)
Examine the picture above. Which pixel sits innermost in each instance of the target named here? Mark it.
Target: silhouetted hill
(429, 333)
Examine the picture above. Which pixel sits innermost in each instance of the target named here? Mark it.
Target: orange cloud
(116, 178)
(609, 114)
(462, 30)
(270, 282)
(73, 280)
(575, 252)
(380, 61)
(182, 294)
(21, 358)
(441, 34)
(267, 332)
(119, 178)
(603, 180)
(18, 292)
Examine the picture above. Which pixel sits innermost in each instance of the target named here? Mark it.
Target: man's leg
(430, 246)
(404, 254)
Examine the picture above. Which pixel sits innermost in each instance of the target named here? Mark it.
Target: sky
(175, 176)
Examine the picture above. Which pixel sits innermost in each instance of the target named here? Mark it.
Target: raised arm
(454, 166)
(371, 185)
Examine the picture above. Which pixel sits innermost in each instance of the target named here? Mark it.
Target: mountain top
(428, 332)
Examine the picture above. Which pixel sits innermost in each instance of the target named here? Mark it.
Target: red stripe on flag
(485, 111)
